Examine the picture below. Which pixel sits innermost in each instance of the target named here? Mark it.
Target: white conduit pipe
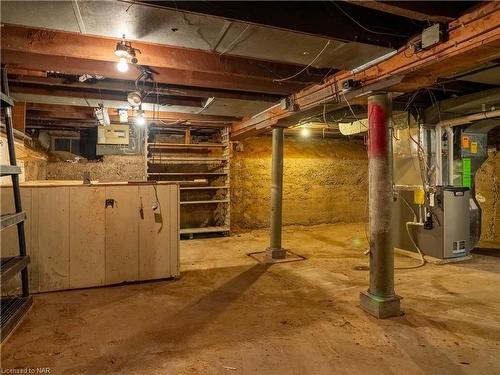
(447, 125)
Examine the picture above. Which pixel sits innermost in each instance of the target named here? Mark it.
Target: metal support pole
(380, 300)
(275, 251)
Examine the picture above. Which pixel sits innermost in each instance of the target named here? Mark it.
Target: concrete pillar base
(273, 254)
(380, 308)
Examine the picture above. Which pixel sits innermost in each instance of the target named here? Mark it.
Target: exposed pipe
(468, 119)
(449, 132)
(373, 62)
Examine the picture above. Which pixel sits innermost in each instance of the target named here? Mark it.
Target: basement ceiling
(219, 106)
(171, 27)
(488, 76)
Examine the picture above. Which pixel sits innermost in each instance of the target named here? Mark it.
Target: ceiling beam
(90, 93)
(66, 52)
(71, 81)
(433, 11)
(473, 39)
(318, 18)
(59, 111)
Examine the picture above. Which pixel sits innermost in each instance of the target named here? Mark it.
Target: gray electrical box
(432, 36)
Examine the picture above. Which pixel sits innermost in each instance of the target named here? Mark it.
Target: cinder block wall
(325, 181)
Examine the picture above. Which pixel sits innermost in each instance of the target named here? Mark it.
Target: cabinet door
(87, 240)
(122, 234)
(53, 237)
(155, 238)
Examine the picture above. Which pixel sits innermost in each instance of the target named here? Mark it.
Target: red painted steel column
(380, 300)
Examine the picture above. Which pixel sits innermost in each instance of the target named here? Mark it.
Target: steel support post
(380, 299)
(275, 251)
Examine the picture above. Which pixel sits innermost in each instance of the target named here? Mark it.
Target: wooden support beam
(57, 111)
(473, 39)
(39, 49)
(29, 77)
(91, 93)
(433, 11)
(19, 116)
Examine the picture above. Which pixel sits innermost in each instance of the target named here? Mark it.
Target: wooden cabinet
(76, 240)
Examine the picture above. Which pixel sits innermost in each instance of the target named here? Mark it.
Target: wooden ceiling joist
(28, 78)
(91, 93)
(38, 112)
(433, 11)
(473, 39)
(40, 49)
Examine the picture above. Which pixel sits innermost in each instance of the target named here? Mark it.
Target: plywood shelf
(206, 202)
(187, 173)
(195, 160)
(203, 187)
(185, 146)
(204, 230)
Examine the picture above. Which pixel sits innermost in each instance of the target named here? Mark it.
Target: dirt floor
(228, 314)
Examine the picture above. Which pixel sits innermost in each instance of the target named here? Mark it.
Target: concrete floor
(228, 314)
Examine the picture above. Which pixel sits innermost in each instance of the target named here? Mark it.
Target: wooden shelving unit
(201, 165)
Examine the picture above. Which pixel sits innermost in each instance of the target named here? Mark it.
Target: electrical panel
(113, 135)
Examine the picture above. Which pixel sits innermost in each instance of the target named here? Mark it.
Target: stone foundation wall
(325, 181)
(488, 196)
(111, 168)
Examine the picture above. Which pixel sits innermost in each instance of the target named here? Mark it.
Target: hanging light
(124, 51)
(134, 98)
(122, 66)
(140, 120)
(305, 132)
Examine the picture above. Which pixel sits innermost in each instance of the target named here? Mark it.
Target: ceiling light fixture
(124, 51)
(134, 98)
(305, 132)
(140, 119)
(122, 66)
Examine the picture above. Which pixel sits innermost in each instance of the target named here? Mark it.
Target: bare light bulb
(305, 132)
(140, 120)
(122, 66)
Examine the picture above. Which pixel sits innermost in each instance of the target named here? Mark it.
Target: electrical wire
(422, 258)
(235, 40)
(364, 27)
(306, 67)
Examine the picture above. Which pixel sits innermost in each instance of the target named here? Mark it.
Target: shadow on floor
(488, 251)
(176, 330)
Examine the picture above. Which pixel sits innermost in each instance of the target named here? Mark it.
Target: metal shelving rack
(13, 308)
(197, 174)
